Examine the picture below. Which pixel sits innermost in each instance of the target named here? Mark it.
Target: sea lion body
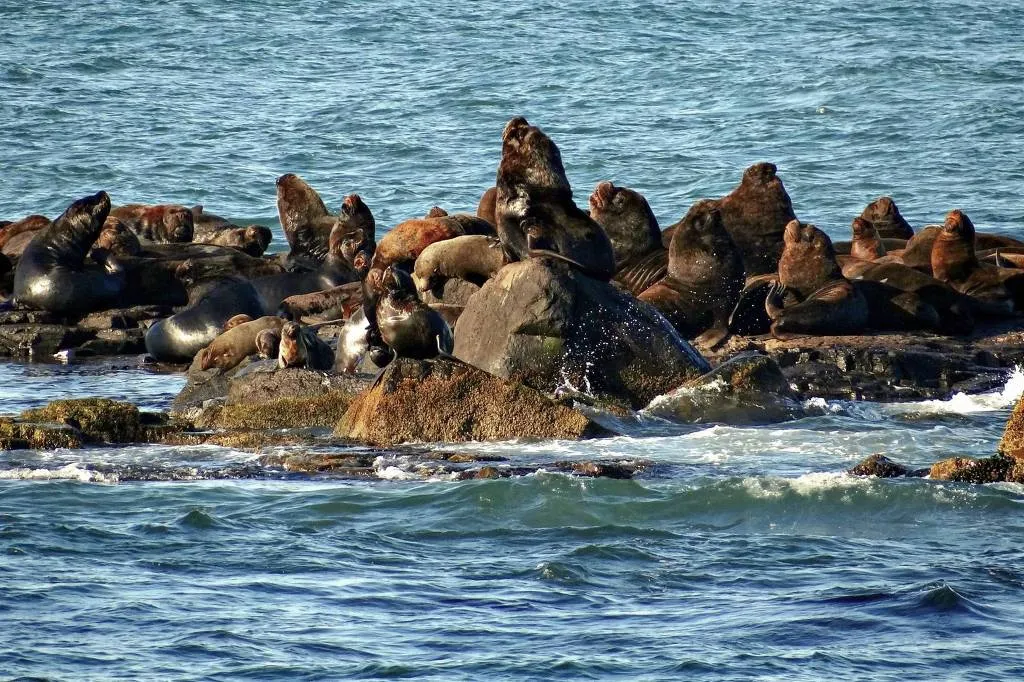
(410, 328)
(485, 208)
(252, 240)
(161, 223)
(236, 321)
(116, 239)
(337, 302)
(474, 258)
(306, 222)
(52, 273)
(532, 188)
(237, 343)
(632, 228)
(301, 347)
(268, 343)
(12, 239)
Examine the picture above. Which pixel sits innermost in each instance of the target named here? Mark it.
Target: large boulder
(1012, 443)
(449, 401)
(547, 325)
(747, 389)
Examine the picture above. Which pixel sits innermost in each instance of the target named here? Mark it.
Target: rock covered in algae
(971, 470)
(449, 401)
(1012, 443)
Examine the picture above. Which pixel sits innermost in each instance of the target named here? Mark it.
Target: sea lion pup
(252, 240)
(268, 343)
(755, 215)
(301, 347)
(532, 187)
(889, 224)
(821, 301)
(213, 299)
(485, 208)
(472, 257)
(53, 274)
(998, 291)
(410, 328)
(16, 235)
(161, 223)
(238, 342)
(866, 243)
(704, 276)
(352, 343)
(629, 222)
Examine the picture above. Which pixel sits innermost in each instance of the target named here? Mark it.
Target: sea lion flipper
(712, 338)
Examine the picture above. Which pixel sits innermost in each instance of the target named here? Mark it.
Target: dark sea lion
(474, 258)
(883, 214)
(813, 297)
(354, 237)
(704, 276)
(629, 222)
(161, 223)
(28, 225)
(485, 208)
(213, 299)
(998, 291)
(866, 245)
(236, 320)
(252, 240)
(532, 187)
(301, 347)
(53, 274)
(755, 215)
(238, 342)
(336, 302)
(306, 222)
(918, 252)
(984, 241)
(268, 343)
(410, 328)
(207, 224)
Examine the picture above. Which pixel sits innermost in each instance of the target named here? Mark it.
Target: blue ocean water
(744, 553)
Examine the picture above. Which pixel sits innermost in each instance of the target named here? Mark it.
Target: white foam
(806, 485)
(961, 403)
(68, 472)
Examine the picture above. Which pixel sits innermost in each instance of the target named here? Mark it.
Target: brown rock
(971, 470)
(880, 466)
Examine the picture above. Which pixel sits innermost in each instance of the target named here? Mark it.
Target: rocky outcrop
(38, 334)
(547, 325)
(746, 389)
(970, 470)
(449, 401)
(74, 423)
(1012, 442)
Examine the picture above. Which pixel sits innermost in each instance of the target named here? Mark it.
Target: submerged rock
(747, 389)
(548, 326)
(970, 470)
(449, 401)
(882, 467)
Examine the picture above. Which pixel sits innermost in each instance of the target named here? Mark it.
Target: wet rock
(747, 389)
(16, 435)
(100, 420)
(115, 342)
(547, 325)
(449, 401)
(971, 470)
(122, 318)
(880, 466)
(38, 340)
(1012, 442)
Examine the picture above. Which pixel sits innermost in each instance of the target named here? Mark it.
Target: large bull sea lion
(755, 215)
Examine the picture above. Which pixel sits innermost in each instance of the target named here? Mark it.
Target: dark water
(743, 553)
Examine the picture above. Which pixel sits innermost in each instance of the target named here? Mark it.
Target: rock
(547, 325)
(122, 318)
(21, 436)
(880, 466)
(1012, 442)
(38, 340)
(450, 401)
(971, 470)
(116, 342)
(747, 389)
(454, 292)
(100, 420)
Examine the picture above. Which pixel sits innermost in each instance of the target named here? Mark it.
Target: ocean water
(741, 553)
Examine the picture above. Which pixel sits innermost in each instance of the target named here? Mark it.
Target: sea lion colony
(742, 264)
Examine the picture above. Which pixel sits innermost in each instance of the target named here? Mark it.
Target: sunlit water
(742, 553)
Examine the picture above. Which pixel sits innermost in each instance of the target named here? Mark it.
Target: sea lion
(301, 347)
(352, 343)
(162, 223)
(306, 222)
(532, 188)
(885, 216)
(52, 273)
(354, 236)
(213, 299)
(252, 240)
(485, 208)
(337, 302)
(998, 291)
(238, 342)
(985, 241)
(436, 212)
(28, 225)
(116, 238)
(236, 321)
(755, 215)
(918, 252)
(866, 243)
(206, 225)
(704, 276)
(474, 258)
(410, 328)
(268, 343)
(629, 222)
(812, 296)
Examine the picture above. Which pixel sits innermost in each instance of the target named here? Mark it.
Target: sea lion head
(397, 283)
(808, 260)
(177, 225)
(862, 229)
(885, 216)
(958, 226)
(531, 158)
(268, 343)
(78, 228)
(290, 351)
(627, 219)
(761, 173)
(436, 212)
(260, 234)
(866, 244)
(117, 238)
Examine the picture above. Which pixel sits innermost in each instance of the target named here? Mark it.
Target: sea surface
(742, 553)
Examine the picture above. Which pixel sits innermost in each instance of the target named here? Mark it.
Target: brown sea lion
(268, 343)
(410, 328)
(998, 291)
(306, 222)
(704, 276)
(755, 215)
(867, 245)
(161, 223)
(918, 251)
(532, 186)
(116, 239)
(238, 342)
(629, 222)
(337, 302)
(985, 240)
(883, 214)
(485, 208)
(436, 212)
(252, 240)
(474, 258)
(236, 321)
(29, 225)
(301, 347)
(812, 296)
(356, 230)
